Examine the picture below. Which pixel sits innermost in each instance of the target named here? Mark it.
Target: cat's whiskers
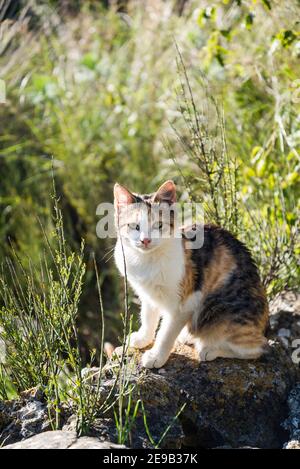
(108, 253)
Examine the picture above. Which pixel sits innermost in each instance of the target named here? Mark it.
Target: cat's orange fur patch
(263, 320)
(247, 336)
(217, 272)
(188, 282)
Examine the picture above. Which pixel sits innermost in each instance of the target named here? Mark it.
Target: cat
(209, 296)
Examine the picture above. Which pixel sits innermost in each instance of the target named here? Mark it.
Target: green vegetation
(38, 327)
(207, 95)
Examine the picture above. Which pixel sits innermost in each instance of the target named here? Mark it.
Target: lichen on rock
(226, 402)
(23, 418)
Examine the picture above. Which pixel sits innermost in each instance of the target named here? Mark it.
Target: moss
(229, 402)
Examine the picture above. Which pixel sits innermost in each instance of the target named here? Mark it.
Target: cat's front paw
(208, 354)
(153, 359)
(138, 340)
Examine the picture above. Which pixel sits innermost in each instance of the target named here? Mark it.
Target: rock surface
(292, 423)
(62, 440)
(293, 444)
(23, 418)
(285, 321)
(234, 403)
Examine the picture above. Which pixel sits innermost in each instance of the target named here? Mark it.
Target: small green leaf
(287, 37)
(249, 20)
(89, 60)
(267, 3)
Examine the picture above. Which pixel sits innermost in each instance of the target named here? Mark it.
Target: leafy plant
(39, 327)
(212, 175)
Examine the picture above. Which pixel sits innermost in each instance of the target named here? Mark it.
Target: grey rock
(71, 424)
(23, 418)
(62, 440)
(33, 418)
(292, 423)
(91, 374)
(284, 332)
(285, 318)
(93, 443)
(47, 440)
(237, 403)
(293, 444)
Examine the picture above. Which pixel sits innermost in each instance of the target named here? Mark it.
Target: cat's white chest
(155, 278)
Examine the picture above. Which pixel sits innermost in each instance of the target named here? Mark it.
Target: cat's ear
(166, 193)
(122, 196)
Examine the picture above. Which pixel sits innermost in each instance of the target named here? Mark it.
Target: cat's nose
(146, 241)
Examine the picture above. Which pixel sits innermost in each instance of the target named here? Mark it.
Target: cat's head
(145, 221)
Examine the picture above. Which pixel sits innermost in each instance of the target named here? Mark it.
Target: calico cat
(210, 296)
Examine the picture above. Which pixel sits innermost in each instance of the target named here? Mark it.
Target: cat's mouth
(145, 248)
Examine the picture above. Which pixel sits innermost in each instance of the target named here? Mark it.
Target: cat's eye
(158, 225)
(134, 226)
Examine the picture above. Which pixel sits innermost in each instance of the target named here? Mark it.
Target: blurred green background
(92, 90)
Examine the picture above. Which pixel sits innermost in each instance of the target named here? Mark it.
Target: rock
(292, 423)
(87, 442)
(103, 428)
(62, 440)
(71, 424)
(285, 320)
(293, 444)
(92, 374)
(5, 418)
(47, 440)
(33, 394)
(284, 332)
(24, 417)
(236, 403)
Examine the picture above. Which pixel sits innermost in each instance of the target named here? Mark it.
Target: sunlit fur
(211, 297)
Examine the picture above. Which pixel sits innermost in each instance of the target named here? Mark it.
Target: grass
(38, 324)
(125, 420)
(212, 178)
